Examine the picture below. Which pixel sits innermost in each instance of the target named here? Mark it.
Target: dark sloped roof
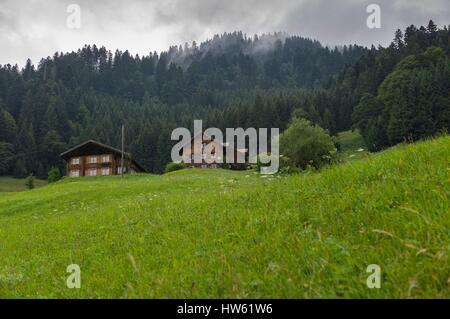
(209, 138)
(72, 150)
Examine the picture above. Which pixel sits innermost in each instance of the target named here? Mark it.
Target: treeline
(228, 81)
(399, 93)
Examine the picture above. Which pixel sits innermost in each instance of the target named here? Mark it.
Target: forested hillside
(391, 94)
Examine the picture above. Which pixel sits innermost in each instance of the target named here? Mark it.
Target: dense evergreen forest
(392, 94)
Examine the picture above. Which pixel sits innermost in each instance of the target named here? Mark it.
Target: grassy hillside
(10, 184)
(216, 233)
(352, 146)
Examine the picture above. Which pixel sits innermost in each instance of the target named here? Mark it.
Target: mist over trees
(391, 94)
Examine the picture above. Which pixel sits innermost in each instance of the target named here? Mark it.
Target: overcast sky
(37, 28)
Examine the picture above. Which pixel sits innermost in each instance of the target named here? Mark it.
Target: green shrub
(286, 167)
(305, 144)
(172, 166)
(29, 182)
(54, 175)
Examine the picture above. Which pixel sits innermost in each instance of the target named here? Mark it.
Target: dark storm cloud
(38, 28)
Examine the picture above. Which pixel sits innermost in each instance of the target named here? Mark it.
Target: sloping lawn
(10, 184)
(217, 233)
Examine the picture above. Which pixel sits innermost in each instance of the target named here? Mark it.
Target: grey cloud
(37, 28)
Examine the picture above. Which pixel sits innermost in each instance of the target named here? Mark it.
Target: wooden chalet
(196, 151)
(92, 158)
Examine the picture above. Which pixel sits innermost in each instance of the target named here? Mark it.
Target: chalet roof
(206, 137)
(92, 147)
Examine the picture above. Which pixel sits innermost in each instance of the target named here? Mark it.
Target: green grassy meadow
(226, 234)
(10, 184)
(352, 146)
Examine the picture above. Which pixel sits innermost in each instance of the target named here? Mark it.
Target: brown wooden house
(92, 158)
(196, 151)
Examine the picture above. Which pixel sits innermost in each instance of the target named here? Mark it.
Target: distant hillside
(240, 234)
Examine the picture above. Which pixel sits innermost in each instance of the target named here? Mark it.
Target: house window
(204, 166)
(105, 171)
(105, 159)
(93, 159)
(92, 172)
(75, 160)
(74, 173)
(119, 170)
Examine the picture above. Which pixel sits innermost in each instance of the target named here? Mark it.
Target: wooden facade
(92, 158)
(196, 151)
